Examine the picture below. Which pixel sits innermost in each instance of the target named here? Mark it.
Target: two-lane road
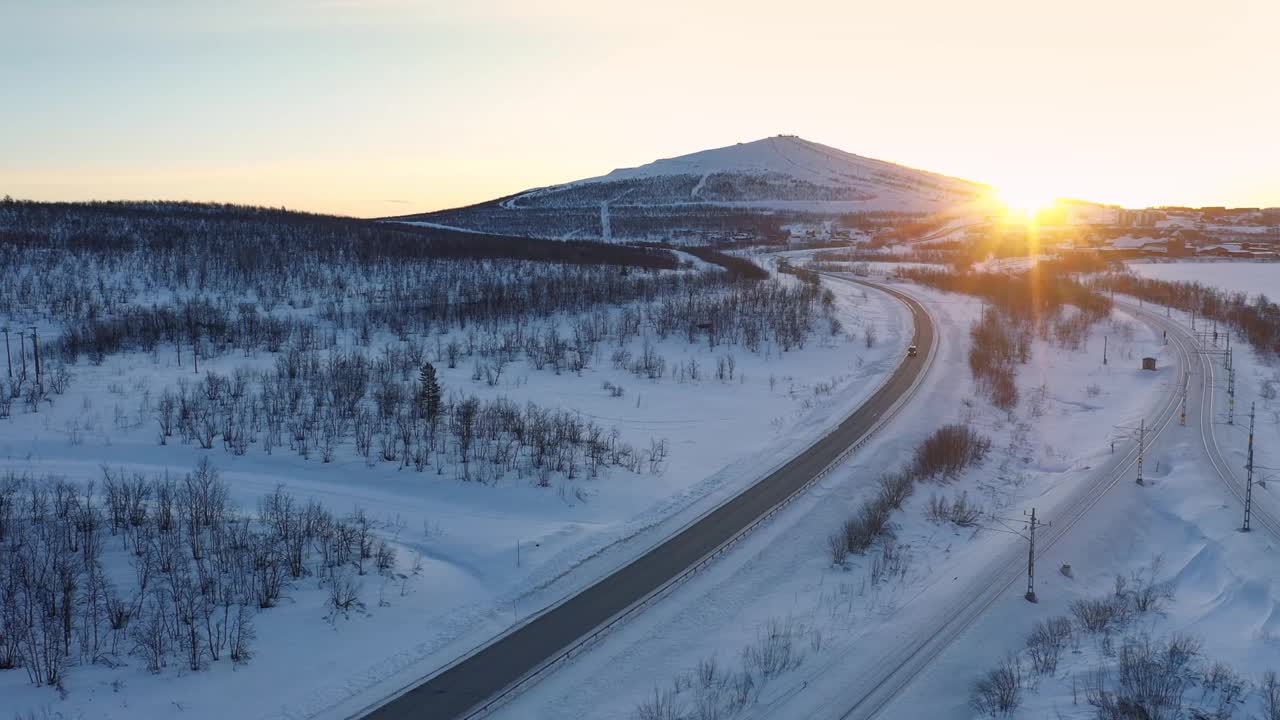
(510, 660)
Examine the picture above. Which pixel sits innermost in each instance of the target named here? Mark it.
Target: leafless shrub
(895, 488)
(838, 546)
(151, 639)
(999, 692)
(1046, 642)
(949, 450)
(1271, 695)
(962, 511)
(774, 649)
(1143, 591)
(889, 563)
(344, 592)
(1096, 616)
(1151, 679)
(864, 528)
(662, 705)
(385, 557)
(60, 378)
(1227, 685)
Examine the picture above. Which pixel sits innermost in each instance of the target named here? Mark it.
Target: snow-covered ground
(1182, 529)
(492, 553)
(1254, 278)
(842, 620)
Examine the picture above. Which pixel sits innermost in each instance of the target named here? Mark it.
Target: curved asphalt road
(462, 687)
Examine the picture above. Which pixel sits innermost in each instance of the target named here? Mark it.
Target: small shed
(1148, 363)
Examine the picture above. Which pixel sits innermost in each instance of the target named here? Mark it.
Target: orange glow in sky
(383, 107)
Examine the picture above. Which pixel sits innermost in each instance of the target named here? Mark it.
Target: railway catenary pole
(35, 349)
(1248, 483)
(1231, 396)
(1183, 417)
(1031, 558)
(1142, 443)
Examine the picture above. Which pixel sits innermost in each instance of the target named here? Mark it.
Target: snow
(722, 436)
(1254, 278)
(847, 623)
(1186, 524)
(878, 185)
(785, 154)
(1129, 242)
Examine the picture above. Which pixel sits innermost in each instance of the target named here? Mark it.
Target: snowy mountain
(785, 172)
(729, 188)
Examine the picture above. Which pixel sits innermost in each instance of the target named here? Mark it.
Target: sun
(1025, 201)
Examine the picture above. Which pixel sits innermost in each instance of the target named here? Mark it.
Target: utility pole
(1231, 396)
(1248, 484)
(22, 352)
(1142, 442)
(7, 356)
(1032, 524)
(1183, 419)
(1104, 349)
(35, 348)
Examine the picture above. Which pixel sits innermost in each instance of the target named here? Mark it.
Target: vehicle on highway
(911, 351)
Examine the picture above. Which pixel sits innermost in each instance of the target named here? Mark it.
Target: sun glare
(1026, 201)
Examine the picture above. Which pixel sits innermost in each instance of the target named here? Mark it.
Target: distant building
(1138, 218)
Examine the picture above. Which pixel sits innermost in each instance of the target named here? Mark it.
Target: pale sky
(382, 107)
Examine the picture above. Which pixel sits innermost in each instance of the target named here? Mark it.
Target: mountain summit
(784, 170)
(730, 187)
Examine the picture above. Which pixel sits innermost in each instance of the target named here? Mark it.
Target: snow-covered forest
(225, 426)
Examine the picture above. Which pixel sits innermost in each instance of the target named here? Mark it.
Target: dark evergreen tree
(428, 392)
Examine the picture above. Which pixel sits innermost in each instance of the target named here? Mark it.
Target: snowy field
(473, 558)
(781, 580)
(1254, 278)
(1182, 532)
